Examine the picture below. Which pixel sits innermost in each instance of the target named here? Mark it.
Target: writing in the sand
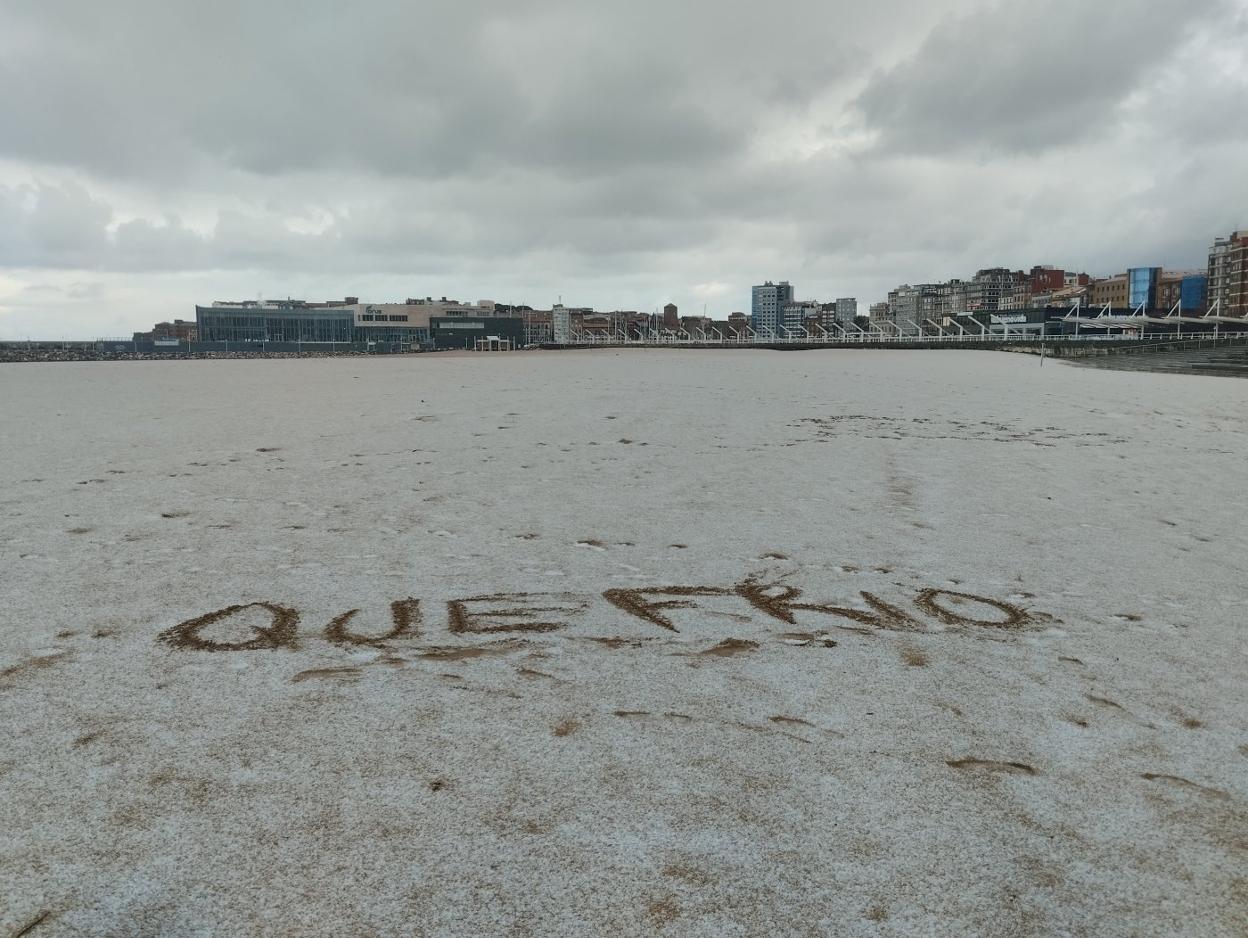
(654, 607)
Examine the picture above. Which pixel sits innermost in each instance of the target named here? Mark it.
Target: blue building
(1142, 287)
(1194, 294)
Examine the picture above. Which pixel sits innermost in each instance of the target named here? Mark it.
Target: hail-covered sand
(1067, 755)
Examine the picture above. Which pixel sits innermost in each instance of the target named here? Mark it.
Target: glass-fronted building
(1142, 287)
(274, 323)
(1194, 294)
(279, 325)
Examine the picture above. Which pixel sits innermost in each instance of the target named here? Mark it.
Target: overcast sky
(159, 153)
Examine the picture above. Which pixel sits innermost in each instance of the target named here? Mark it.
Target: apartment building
(1228, 274)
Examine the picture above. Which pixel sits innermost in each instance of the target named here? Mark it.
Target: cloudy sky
(159, 153)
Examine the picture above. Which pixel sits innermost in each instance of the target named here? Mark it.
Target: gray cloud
(435, 89)
(1026, 77)
(156, 154)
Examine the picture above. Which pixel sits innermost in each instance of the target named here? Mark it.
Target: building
(767, 303)
(990, 285)
(953, 299)
(838, 314)
(1016, 299)
(903, 303)
(537, 322)
(275, 323)
(1044, 278)
(470, 332)
(1142, 288)
(1046, 289)
(878, 312)
(1228, 274)
(397, 326)
(992, 289)
(561, 324)
(911, 306)
(594, 324)
(1135, 289)
(1194, 294)
(671, 319)
(795, 316)
(538, 326)
(177, 334)
(1024, 321)
(696, 326)
(1109, 291)
(930, 303)
(1186, 290)
(180, 329)
(1068, 296)
(290, 325)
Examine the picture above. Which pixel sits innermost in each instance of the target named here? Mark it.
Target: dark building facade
(463, 331)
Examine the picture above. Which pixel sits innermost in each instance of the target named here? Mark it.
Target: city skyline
(622, 157)
(1221, 287)
(990, 289)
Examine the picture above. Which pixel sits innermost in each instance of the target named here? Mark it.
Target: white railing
(882, 337)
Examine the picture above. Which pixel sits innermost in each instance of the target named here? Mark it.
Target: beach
(711, 643)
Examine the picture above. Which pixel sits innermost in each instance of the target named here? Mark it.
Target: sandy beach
(697, 643)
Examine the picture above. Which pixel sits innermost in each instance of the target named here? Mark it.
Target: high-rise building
(767, 303)
(671, 319)
(1228, 274)
(846, 309)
